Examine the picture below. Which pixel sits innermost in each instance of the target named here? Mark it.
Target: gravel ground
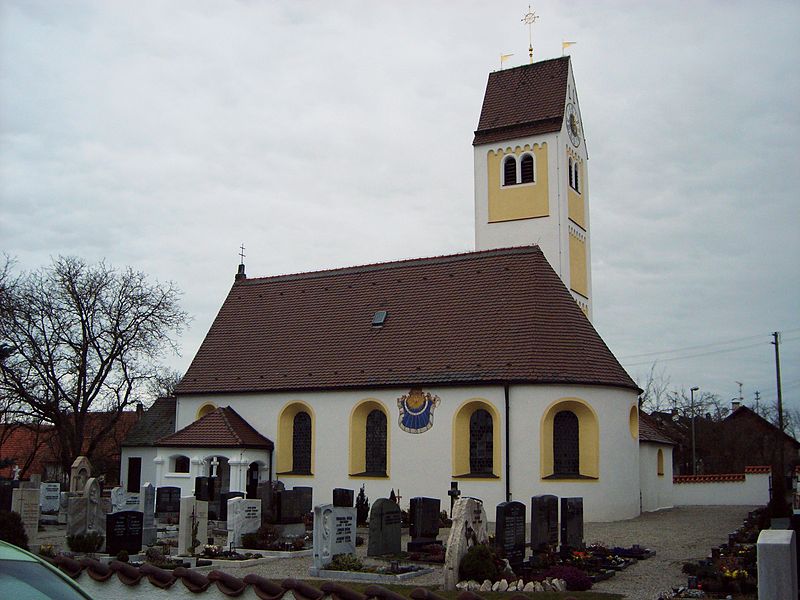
(677, 535)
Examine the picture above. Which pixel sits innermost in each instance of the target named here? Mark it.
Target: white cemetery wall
(691, 490)
(777, 564)
(422, 464)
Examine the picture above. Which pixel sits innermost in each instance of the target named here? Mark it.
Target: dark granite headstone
(203, 489)
(572, 523)
(124, 531)
(168, 500)
(510, 532)
(6, 487)
(544, 522)
(424, 515)
(223, 504)
(305, 499)
(385, 522)
(266, 491)
(287, 505)
(343, 497)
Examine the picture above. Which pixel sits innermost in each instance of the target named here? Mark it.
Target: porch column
(159, 463)
(238, 470)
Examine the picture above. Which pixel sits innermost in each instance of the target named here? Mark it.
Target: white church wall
(422, 464)
(656, 489)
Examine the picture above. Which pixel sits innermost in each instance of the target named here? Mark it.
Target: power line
(647, 362)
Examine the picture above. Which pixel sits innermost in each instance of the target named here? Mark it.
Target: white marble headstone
(147, 499)
(49, 497)
(777, 564)
(468, 529)
(244, 516)
(25, 502)
(334, 533)
(192, 526)
(117, 499)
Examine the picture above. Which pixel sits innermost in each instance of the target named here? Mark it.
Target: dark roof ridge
(393, 264)
(556, 118)
(534, 64)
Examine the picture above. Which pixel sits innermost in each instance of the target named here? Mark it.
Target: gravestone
(124, 532)
(25, 502)
(777, 564)
(85, 512)
(385, 521)
(289, 507)
(79, 474)
(223, 503)
(343, 497)
(147, 498)
(304, 500)
(544, 522)
(203, 489)
(132, 501)
(264, 493)
(49, 497)
(454, 494)
(5, 494)
(192, 526)
(63, 503)
(510, 532)
(168, 500)
(334, 533)
(424, 514)
(244, 516)
(572, 523)
(117, 499)
(467, 530)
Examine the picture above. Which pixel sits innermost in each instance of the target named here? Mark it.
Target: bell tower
(531, 183)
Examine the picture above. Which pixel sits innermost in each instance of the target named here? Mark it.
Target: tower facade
(531, 175)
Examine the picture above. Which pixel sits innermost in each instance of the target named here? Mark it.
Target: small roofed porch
(221, 445)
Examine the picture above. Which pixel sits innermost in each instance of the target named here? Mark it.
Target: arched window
(180, 464)
(480, 442)
(577, 184)
(301, 443)
(526, 169)
(205, 409)
(660, 462)
(375, 452)
(571, 180)
(566, 444)
(510, 171)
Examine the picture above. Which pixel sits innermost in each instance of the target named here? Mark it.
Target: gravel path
(677, 535)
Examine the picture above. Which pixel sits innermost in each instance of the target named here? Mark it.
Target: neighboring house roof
(157, 422)
(496, 316)
(522, 101)
(650, 431)
(221, 428)
(745, 414)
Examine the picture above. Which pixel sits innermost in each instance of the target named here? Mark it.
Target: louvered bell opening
(527, 169)
(510, 171)
(379, 318)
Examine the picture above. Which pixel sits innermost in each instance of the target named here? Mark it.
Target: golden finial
(529, 19)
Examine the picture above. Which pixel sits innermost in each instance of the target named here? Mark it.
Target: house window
(375, 451)
(301, 443)
(180, 464)
(480, 442)
(566, 444)
(526, 169)
(510, 171)
(134, 474)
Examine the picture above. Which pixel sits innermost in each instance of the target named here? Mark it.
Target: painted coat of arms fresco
(416, 410)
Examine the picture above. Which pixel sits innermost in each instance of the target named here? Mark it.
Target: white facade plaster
(656, 489)
(147, 454)
(753, 491)
(421, 464)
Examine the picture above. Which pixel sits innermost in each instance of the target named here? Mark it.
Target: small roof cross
(241, 253)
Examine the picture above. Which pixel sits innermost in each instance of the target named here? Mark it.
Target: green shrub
(479, 563)
(122, 556)
(12, 530)
(85, 543)
(345, 562)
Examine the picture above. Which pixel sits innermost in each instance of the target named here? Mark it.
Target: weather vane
(529, 19)
(241, 253)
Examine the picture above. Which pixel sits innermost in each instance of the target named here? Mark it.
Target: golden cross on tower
(529, 19)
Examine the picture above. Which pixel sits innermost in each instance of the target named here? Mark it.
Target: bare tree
(81, 338)
(164, 383)
(655, 390)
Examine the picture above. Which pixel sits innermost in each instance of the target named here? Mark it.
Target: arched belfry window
(481, 439)
(510, 171)
(301, 443)
(566, 444)
(526, 169)
(375, 452)
(571, 178)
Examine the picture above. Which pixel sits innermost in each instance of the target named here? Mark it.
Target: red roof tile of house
(221, 428)
(650, 431)
(523, 101)
(500, 316)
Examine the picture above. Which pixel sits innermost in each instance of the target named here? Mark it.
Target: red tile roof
(523, 101)
(221, 428)
(650, 431)
(500, 316)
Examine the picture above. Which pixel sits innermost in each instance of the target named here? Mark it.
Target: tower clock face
(573, 125)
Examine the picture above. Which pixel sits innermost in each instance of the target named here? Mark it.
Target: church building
(480, 368)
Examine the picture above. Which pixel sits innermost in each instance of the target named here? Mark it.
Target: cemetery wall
(748, 489)
(423, 464)
(147, 455)
(656, 483)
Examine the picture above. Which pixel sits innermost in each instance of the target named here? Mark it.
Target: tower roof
(500, 316)
(522, 101)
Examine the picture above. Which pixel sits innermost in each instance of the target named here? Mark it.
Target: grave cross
(454, 494)
(214, 465)
(398, 496)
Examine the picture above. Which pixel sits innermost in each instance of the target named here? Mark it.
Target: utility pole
(776, 341)
(694, 459)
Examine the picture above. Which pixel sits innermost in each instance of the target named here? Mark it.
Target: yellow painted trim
(578, 276)
(204, 410)
(633, 421)
(358, 436)
(588, 438)
(660, 462)
(524, 200)
(460, 437)
(471, 478)
(286, 434)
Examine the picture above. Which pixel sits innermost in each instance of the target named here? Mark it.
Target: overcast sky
(162, 135)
